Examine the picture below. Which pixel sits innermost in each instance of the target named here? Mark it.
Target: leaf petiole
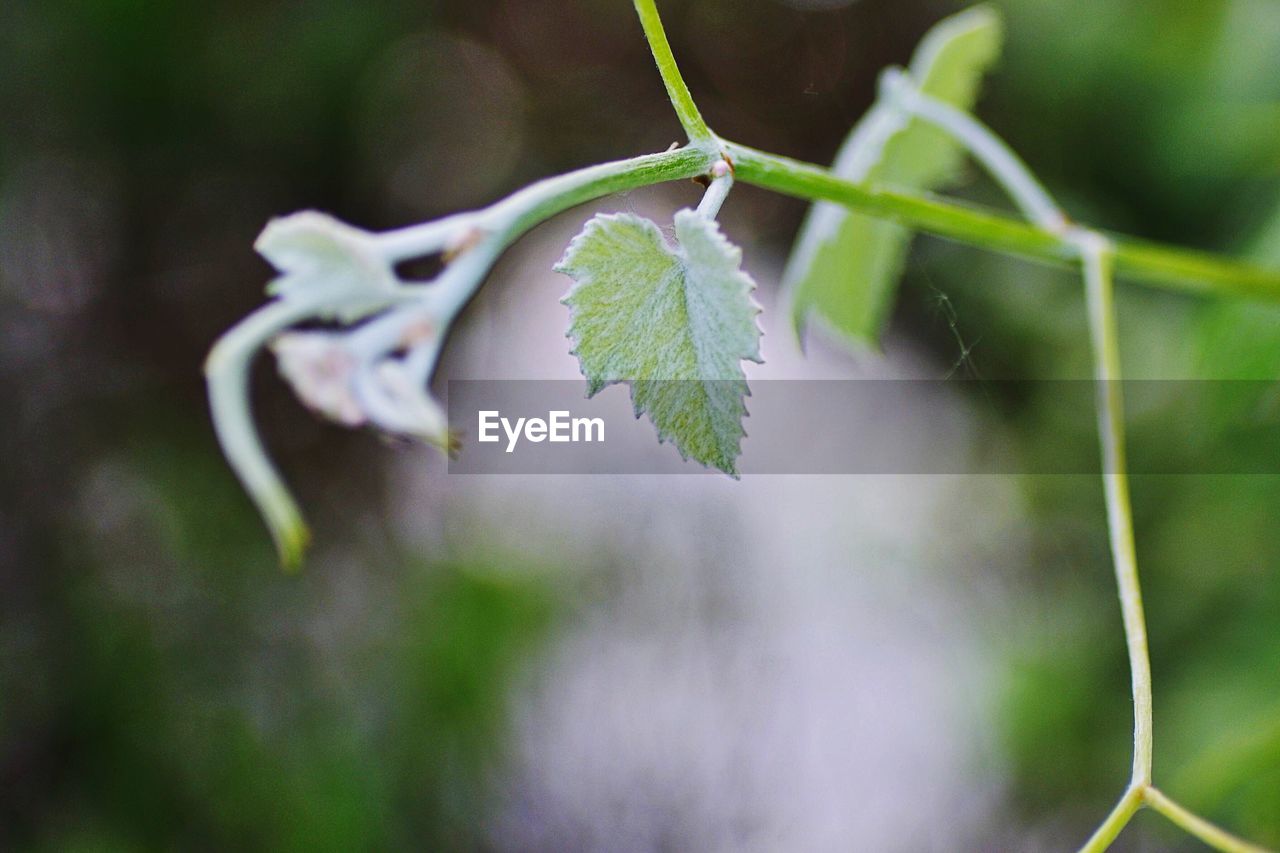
(717, 192)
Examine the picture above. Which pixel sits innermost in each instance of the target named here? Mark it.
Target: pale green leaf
(845, 266)
(673, 321)
(327, 263)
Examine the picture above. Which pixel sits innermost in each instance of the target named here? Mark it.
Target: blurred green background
(162, 685)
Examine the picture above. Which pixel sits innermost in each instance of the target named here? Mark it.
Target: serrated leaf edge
(733, 251)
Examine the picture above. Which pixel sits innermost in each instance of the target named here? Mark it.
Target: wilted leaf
(845, 266)
(673, 321)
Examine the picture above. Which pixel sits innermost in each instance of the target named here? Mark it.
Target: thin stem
(1000, 161)
(713, 198)
(1154, 264)
(1163, 266)
(426, 238)
(502, 223)
(686, 110)
(509, 217)
(226, 370)
(1215, 837)
(1096, 255)
(1116, 821)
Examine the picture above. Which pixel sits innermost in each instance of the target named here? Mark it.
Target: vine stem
(484, 234)
(1114, 822)
(1162, 266)
(1096, 259)
(1096, 254)
(1215, 837)
(506, 220)
(1000, 161)
(677, 90)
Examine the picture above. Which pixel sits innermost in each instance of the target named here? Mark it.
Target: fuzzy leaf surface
(673, 321)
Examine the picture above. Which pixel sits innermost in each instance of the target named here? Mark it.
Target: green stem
(677, 90)
(1215, 837)
(1096, 255)
(505, 221)
(1162, 266)
(1000, 161)
(1116, 821)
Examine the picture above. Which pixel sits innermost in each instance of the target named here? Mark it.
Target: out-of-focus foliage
(845, 266)
(190, 694)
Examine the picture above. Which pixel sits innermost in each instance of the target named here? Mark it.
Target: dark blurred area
(163, 685)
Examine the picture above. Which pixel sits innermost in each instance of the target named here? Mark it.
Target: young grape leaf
(327, 262)
(673, 321)
(845, 266)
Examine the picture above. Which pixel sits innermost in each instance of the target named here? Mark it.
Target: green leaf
(673, 321)
(845, 266)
